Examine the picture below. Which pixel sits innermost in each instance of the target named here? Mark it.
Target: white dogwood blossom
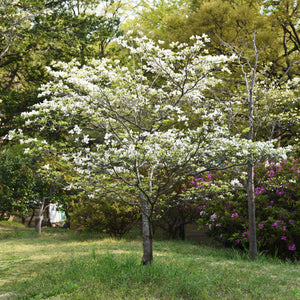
(148, 124)
(153, 114)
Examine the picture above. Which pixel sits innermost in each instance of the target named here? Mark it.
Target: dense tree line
(35, 33)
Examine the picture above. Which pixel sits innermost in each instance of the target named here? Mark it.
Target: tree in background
(26, 186)
(276, 24)
(16, 185)
(33, 33)
(260, 96)
(160, 20)
(232, 23)
(285, 16)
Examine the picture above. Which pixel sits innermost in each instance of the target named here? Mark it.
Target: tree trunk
(250, 183)
(147, 231)
(29, 223)
(182, 231)
(251, 213)
(39, 218)
(182, 227)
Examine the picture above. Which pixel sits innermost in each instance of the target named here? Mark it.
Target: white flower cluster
(151, 124)
(13, 134)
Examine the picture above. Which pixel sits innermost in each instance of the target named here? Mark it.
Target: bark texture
(251, 214)
(147, 232)
(39, 218)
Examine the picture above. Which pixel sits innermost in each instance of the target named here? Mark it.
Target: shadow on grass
(9, 230)
(60, 236)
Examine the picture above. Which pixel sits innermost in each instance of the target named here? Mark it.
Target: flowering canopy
(135, 131)
(148, 123)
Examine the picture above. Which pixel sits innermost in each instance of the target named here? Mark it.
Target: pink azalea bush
(224, 212)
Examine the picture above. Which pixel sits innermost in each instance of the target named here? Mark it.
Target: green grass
(70, 265)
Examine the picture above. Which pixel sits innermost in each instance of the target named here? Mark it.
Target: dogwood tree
(133, 132)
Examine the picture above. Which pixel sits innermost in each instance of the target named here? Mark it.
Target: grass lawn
(65, 264)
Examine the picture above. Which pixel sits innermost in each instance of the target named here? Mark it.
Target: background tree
(160, 20)
(285, 16)
(37, 32)
(16, 184)
(257, 87)
(233, 23)
(26, 186)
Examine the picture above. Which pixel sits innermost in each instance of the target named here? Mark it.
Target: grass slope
(70, 265)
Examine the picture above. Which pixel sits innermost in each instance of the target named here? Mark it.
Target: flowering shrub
(115, 218)
(222, 196)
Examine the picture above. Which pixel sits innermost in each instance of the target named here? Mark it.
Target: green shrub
(16, 185)
(113, 217)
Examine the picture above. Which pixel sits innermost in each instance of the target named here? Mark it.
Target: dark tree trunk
(182, 231)
(29, 223)
(147, 231)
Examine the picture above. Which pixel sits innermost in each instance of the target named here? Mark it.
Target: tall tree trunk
(250, 183)
(182, 231)
(251, 213)
(147, 231)
(39, 218)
